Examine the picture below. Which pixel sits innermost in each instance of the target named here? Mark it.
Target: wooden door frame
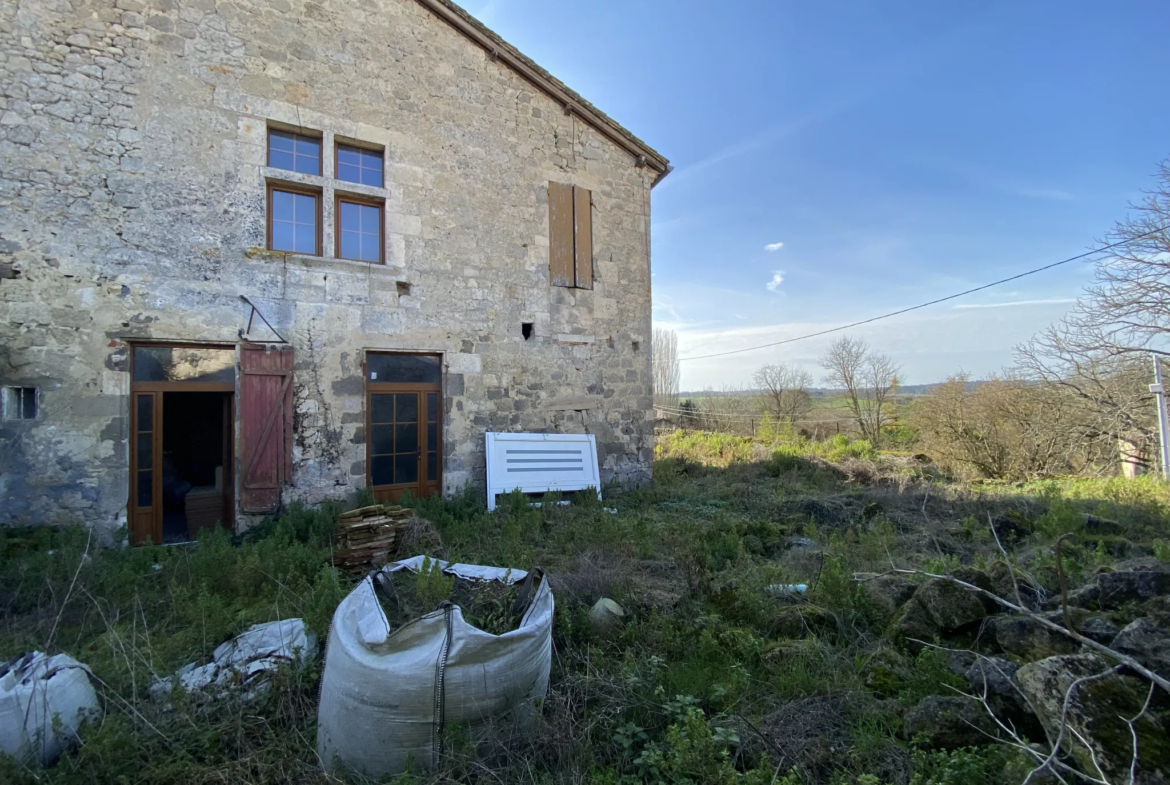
(159, 389)
(132, 508)
(422, 389)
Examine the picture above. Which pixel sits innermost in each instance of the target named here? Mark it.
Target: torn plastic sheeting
(35, 690)
(470, 572)
(386, 696)
(260, 649)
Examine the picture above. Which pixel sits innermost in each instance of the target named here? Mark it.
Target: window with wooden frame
(294, 152)
(359, 229)
(359, 165)
(294, 219)
(570, 236)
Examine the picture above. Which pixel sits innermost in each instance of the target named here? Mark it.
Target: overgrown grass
(715, 677)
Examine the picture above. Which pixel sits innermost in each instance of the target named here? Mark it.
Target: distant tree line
(1075, 401)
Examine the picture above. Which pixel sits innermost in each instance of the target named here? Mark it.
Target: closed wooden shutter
(560, 235)
(266, 375)
(583, 236)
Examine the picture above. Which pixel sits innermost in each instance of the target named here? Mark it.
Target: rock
(1095, 714)
(994, 674)
(992, 677)
(1095, 525)
(1142, 564)
(949, 722)
(245, 660)
(1010, 528)
(883, 671)
(1148, 642)
(960, 660)
(888, 593)
(798, 621)
(1117, 588)
(1000, 575)
(43, 702)
(1098, 628)
(1031, 640)
(912, 623)
(606, 616)
(950, 606)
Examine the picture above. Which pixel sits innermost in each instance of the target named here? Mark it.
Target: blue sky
(899, 151)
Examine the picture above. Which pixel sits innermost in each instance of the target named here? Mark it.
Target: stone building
(258, 250)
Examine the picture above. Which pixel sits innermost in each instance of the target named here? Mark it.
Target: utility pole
(1163, 440)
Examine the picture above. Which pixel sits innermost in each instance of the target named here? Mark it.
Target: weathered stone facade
(132, 207)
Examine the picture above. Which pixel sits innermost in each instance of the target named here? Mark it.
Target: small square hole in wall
(636, 345)
(526, 329)
(403, 288)
(20, 403)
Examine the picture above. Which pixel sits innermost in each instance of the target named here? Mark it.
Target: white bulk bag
(34, 689)
(387, 697)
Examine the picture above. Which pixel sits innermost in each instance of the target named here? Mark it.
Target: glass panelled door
(146, 459)
(394, 439)
(404, 444)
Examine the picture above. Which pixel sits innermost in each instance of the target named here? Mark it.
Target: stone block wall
(132, 208)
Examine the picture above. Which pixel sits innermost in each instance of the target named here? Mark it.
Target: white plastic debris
(35, 690)
(786, 589)
(387, 696)
(246, 658)
(606, 616)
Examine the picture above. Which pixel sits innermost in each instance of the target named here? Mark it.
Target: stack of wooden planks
(369, 536)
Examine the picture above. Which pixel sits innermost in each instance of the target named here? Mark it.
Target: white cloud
(777, 279)
(773, 246)
(1053, 301)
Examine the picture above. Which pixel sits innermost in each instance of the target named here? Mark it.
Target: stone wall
(132, 199)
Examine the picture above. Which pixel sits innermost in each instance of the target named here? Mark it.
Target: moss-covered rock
(1147, 640)
(799, 621)
(950, 606)
(944, 722)
(912, 623)
(1028, 639)
(1097, 712)
(888, 593)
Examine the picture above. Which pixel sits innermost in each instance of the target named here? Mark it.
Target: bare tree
(869, 380)
(664, 351)
(785, 391)
(1098, 352)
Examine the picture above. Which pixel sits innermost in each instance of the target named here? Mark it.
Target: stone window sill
(322, 262)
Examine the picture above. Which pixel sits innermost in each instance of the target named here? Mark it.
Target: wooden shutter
(560, 235)
(265, 425)
(583, 236)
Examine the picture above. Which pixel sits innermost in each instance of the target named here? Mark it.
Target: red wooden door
(266, 374)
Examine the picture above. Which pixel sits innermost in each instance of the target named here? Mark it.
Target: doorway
(404, 425)
(182, 444)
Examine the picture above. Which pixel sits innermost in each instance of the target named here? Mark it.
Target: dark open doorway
(182, 443)
(196, 463)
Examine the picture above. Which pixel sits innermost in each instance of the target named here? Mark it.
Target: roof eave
(570, 102)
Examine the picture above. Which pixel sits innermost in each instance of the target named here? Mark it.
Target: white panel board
(540, 462)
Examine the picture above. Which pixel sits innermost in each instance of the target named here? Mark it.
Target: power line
(925, 305)
(700, 414)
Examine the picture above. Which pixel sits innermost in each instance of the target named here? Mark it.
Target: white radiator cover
(540, 462)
